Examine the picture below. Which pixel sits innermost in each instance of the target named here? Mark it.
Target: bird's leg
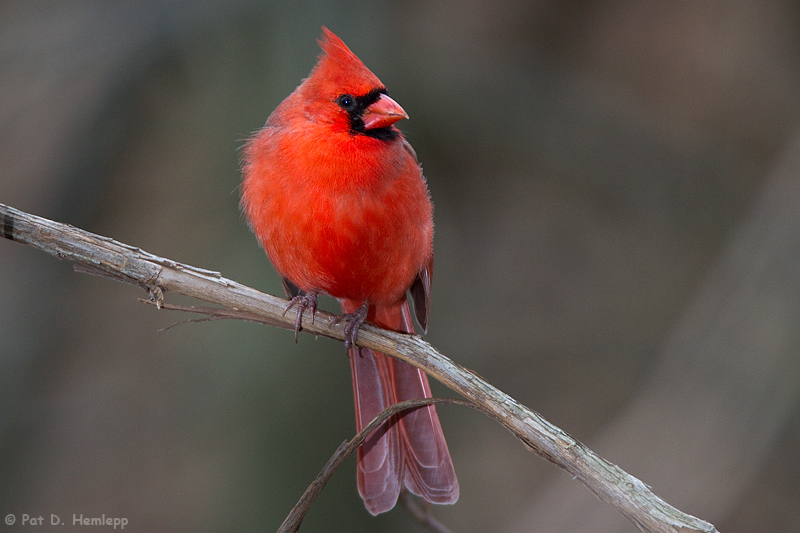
(354, 321)
(303, 301)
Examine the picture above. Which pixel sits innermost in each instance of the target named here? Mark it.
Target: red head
(341, 90)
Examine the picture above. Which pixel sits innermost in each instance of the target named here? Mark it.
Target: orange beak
(382, 113)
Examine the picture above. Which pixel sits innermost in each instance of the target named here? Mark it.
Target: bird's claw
(302, 301)
(354, 321)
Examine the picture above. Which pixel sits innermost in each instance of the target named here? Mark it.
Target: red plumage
(337, 199)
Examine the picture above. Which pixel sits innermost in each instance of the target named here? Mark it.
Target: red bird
(337, 199)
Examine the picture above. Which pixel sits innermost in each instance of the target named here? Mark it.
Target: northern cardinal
(337, 199)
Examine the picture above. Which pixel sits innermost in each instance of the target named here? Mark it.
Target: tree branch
(158, 275)
(421, 513)
(292, 522)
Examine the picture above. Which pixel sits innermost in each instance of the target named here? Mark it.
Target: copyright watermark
(77, 520)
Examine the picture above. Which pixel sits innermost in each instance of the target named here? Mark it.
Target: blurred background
(618, 247)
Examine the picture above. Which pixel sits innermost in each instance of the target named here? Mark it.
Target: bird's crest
(339, 71)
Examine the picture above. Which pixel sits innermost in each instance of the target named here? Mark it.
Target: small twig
(299, 511)
(422, 513)
(214, 313)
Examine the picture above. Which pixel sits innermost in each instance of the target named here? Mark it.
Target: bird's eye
(346, 101)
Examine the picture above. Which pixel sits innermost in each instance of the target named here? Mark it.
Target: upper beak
(382, 113)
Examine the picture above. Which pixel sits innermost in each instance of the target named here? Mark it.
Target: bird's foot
(354, 321)
(303, 301)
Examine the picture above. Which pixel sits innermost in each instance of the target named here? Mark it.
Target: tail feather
(379, 459)
(409, 450)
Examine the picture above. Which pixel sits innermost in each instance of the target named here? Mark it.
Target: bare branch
(299, 511)
(158, 275)
(212, 313)
(421, 513)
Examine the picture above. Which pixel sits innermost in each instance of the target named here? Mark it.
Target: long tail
(409, 450)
